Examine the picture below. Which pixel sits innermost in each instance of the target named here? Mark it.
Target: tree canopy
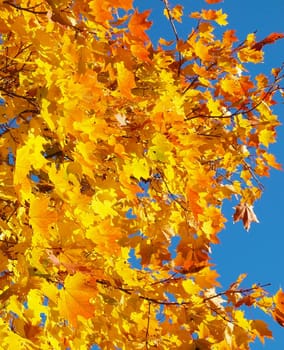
(116, 155)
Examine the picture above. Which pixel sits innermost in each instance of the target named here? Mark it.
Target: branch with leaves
(116, 156)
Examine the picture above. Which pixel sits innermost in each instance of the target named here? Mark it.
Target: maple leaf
(75, 296)
(138, 24)
(266, 137)
(270, 159)
(278, 316)
(278, 312)
(261, 330)
(125, 80)
(270, 39)
(229, 37)
(245, 212)
(175, 13)
(213, 1)
(214, 15)
(41, 216)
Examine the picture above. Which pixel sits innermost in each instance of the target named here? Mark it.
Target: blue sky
(258, 252)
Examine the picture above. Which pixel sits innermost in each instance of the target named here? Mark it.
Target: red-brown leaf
(270, 39)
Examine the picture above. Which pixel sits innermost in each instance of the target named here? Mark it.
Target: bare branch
(174, 31)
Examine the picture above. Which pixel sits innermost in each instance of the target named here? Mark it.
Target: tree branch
(174, 31)
(148, 325)
(236, 291)
(28, 9)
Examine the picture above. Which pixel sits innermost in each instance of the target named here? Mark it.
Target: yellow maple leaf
(137, 167)
(202, 50)
(221, 18)
(190, 287)
(35, 304)
(214, 107)
(266, 137)
(161, 148)
(27, 156)
(41, 216)
(176, 13)
(103, 202)
(271, 160)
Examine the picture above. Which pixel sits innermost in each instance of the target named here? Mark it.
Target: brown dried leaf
(245, 212)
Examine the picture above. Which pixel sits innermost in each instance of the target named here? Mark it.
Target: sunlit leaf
(117, 155)
(125, 79)
(138, 24)
(75, 298)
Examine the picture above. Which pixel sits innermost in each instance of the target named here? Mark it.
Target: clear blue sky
(258, 253)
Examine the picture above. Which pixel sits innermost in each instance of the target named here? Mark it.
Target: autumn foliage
(116, 155)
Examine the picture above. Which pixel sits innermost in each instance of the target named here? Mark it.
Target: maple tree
(112, 149)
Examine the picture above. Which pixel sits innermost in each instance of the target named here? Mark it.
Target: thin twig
(174, 31)
(31, 100)
(195, 79)
(248, 167)
(148, 325)
(236, 291)
(167, 280)
(28, 9)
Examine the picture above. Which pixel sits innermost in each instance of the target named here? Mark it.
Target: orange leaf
(211, 15)
(246, 300)
(229, 37)
(261, 330)
(270, 39)
(125, 79)
(278, 312)
(278, 316)
(193, 201)
(279, 300)
(245, 212)
(101, 9)
(207, 278)
(213, 1)
(138, 24)
(124, 4)
(141, 52)
(75, 298)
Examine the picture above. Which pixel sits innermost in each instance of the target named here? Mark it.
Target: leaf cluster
(116, 156)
